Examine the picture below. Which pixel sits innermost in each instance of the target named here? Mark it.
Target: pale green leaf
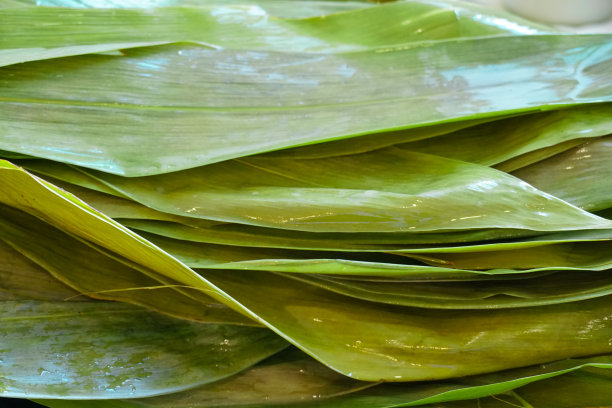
(106, 112)
(56, 32)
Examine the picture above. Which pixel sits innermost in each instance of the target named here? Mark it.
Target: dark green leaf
(109, 350)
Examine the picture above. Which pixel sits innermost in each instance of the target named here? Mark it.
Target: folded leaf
(100, 276)
(63, 210)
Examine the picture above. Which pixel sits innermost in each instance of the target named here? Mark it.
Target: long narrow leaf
(307, 385)
(99, 276)
(579, 176)
(65, 32)
(560, 287)
(388, 190)
(22, 278)
(375, 342)
(443, 81)
(516, 136)
(106, 350)
(279, 8)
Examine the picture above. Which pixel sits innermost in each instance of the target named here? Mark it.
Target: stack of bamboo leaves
(302, 204)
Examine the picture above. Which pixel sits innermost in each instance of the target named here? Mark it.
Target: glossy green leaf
(403, 395)
(373, 342)
(575, 255)
(539, 290)
(103, 350)
(481, 255)
(579, 176)
(535, 156)
(388, 190)
(65, 32)
(199, 255)
(279, 8)
(515, 136)
(258, 295)
(237, 234)
(158, 92)
(247, 235)
(309, 385)
(100, 276)
(143, 218)
(203, 255)
(607, 213)
(372, 264)
(369, 142)
(587, 387)
(62, 210)
(140, 217)
(288, 377)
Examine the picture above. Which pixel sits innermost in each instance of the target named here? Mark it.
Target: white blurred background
(582, 16)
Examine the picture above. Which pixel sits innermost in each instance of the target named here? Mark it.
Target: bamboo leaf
(535, 156)
(22, 278)
(559, 287)
(413, 193)
(360, 96)
(474, 265)
(311, 387)
(566, 256)
(66, 32)
(100, 276)
(518, 135)
(48, 350)
(143, 218)
(579, 176)
(374, 342)
(247, 235)
(279, 8)
(63, 210)
(587, 387)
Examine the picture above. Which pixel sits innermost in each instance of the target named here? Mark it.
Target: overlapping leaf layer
(302, 204)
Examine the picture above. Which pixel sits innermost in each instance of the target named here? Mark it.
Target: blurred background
(581, 16)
